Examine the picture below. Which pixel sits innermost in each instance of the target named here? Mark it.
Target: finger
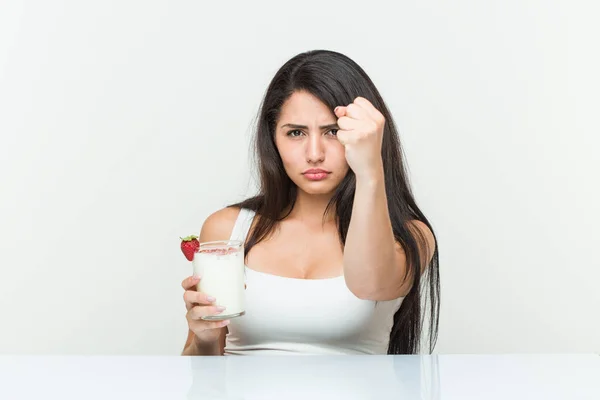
(369, 108)
(190, 282)
(206, 325)
(355, 111)
(346, 123)
(194, 297)
(339, 111)
(196, 313)
(363, 102)
(344, 136)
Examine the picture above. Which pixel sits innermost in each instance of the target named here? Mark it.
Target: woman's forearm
(371, 261)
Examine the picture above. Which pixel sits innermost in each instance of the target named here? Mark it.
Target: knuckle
(188, 296)
(196, 312)
(200, 297)
(189, 315)
(187, 283)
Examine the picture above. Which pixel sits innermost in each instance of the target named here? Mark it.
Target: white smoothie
(221, 271)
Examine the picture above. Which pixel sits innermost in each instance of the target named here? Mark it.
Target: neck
(312, 207)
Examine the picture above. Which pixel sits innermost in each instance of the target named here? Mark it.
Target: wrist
(373, 176)
(201, 344)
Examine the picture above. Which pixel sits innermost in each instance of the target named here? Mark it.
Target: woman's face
(306, 139)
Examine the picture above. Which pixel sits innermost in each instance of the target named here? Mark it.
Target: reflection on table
(303, 377)
(446, 377)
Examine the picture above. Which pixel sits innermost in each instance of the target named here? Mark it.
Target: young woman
(339, 256)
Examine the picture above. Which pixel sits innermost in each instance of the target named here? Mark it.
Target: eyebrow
(295, 126)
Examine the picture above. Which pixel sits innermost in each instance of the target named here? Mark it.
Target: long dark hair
(337, 80)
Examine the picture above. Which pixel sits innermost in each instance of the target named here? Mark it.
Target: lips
(315, 174)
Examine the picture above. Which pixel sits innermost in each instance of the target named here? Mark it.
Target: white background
(124, 124)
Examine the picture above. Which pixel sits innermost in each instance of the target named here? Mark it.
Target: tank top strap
(242, 225)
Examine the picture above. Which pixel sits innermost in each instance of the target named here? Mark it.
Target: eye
(334, 132)
(294, 133)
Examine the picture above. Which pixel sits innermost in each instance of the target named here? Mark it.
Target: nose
(315, 149)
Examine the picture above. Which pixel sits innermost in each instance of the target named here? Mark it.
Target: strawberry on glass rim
(189, 246)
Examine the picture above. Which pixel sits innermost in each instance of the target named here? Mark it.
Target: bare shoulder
(424, 238)
(218, 225)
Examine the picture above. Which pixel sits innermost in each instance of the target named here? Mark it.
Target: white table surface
(531, 377)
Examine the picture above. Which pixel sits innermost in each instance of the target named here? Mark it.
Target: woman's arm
(374, 263)
(193, 348)
(218, 226)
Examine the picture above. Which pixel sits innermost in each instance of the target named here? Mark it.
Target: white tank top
(305, 316)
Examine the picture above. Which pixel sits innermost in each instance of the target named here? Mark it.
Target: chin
(317, 192)
(318, 188)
